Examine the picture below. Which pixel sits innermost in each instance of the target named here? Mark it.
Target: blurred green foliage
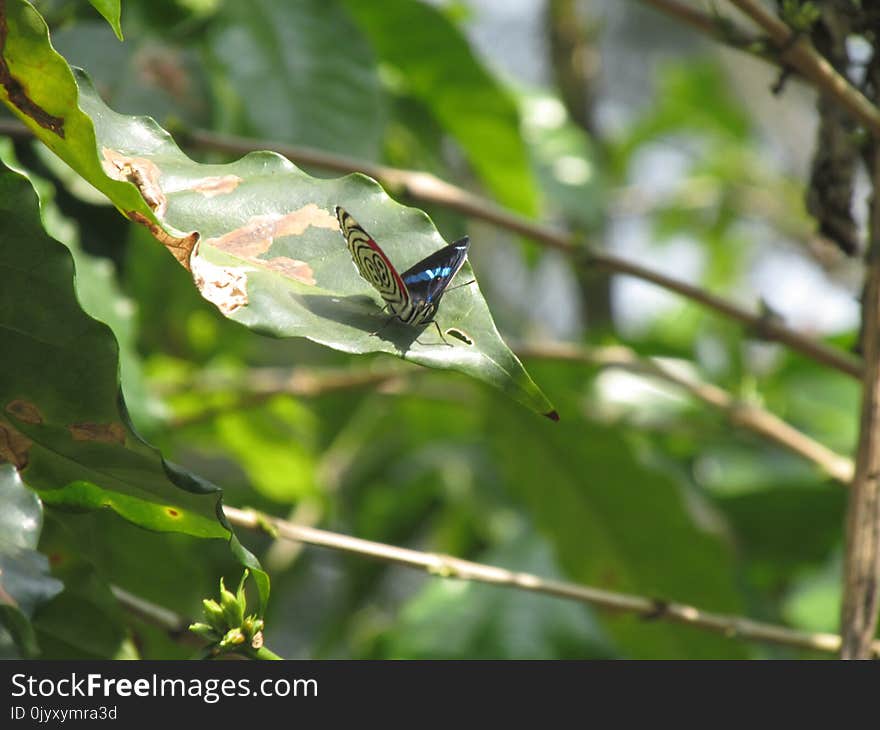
(635, 490)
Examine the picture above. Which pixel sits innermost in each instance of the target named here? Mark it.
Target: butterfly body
(411, 297)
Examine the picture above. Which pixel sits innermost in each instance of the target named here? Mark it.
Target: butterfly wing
(428, 279)
(373, 264)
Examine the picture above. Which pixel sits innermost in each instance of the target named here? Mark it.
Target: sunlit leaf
(269, 253)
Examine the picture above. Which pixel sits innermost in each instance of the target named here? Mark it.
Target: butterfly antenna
(459, 286)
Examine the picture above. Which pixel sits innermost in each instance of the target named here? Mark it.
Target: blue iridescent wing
(372, 263)
(429, 278)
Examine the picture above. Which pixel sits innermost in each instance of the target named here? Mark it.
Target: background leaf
(621, 525)
(25, 582)
(272, 56)
(270, 253)
(437, 66)
(112, 12)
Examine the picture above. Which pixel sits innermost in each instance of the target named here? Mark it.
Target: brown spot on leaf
(143, 173)
(256, 236)
(14, 445)
(17, 91)
(25, 411)
(223, 286)
(181, 247)
(211, 186)
(172, 512)
(293, 268)
(105, 433)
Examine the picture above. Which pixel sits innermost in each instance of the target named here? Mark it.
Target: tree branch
(262, 383)
(713, 26)
(798, 53)
(450, 567)
(175, 626)
(801, 55)
(743, 415)
(862, 565)
(427, 188)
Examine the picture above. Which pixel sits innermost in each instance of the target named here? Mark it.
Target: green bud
(252, 626)
(233, 612)
(205, 631)
(233, 637)
(214, 615)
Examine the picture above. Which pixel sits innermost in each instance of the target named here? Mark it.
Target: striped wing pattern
(374, 266)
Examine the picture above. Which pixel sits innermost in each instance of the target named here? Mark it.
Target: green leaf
(300, 72)
(112, 12)
(25, 582)
(812, 516)
(619, 525)
(436, 65)
(274, 445)
(97, 290)
(270, 253)
(813, 604)
(62, 417)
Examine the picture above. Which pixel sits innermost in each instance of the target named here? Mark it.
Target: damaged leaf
(266, 248)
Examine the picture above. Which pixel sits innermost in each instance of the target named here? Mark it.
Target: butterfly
(413, 296)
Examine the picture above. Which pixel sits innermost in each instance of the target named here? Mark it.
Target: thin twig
(428, 188)
(175, 626)
(450, 567)
(764, 326)
(261, 384)
(744, 415)
(800, 54)
(687, 14)
(718, 29)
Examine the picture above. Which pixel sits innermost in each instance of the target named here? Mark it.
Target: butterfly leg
(439, 332)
